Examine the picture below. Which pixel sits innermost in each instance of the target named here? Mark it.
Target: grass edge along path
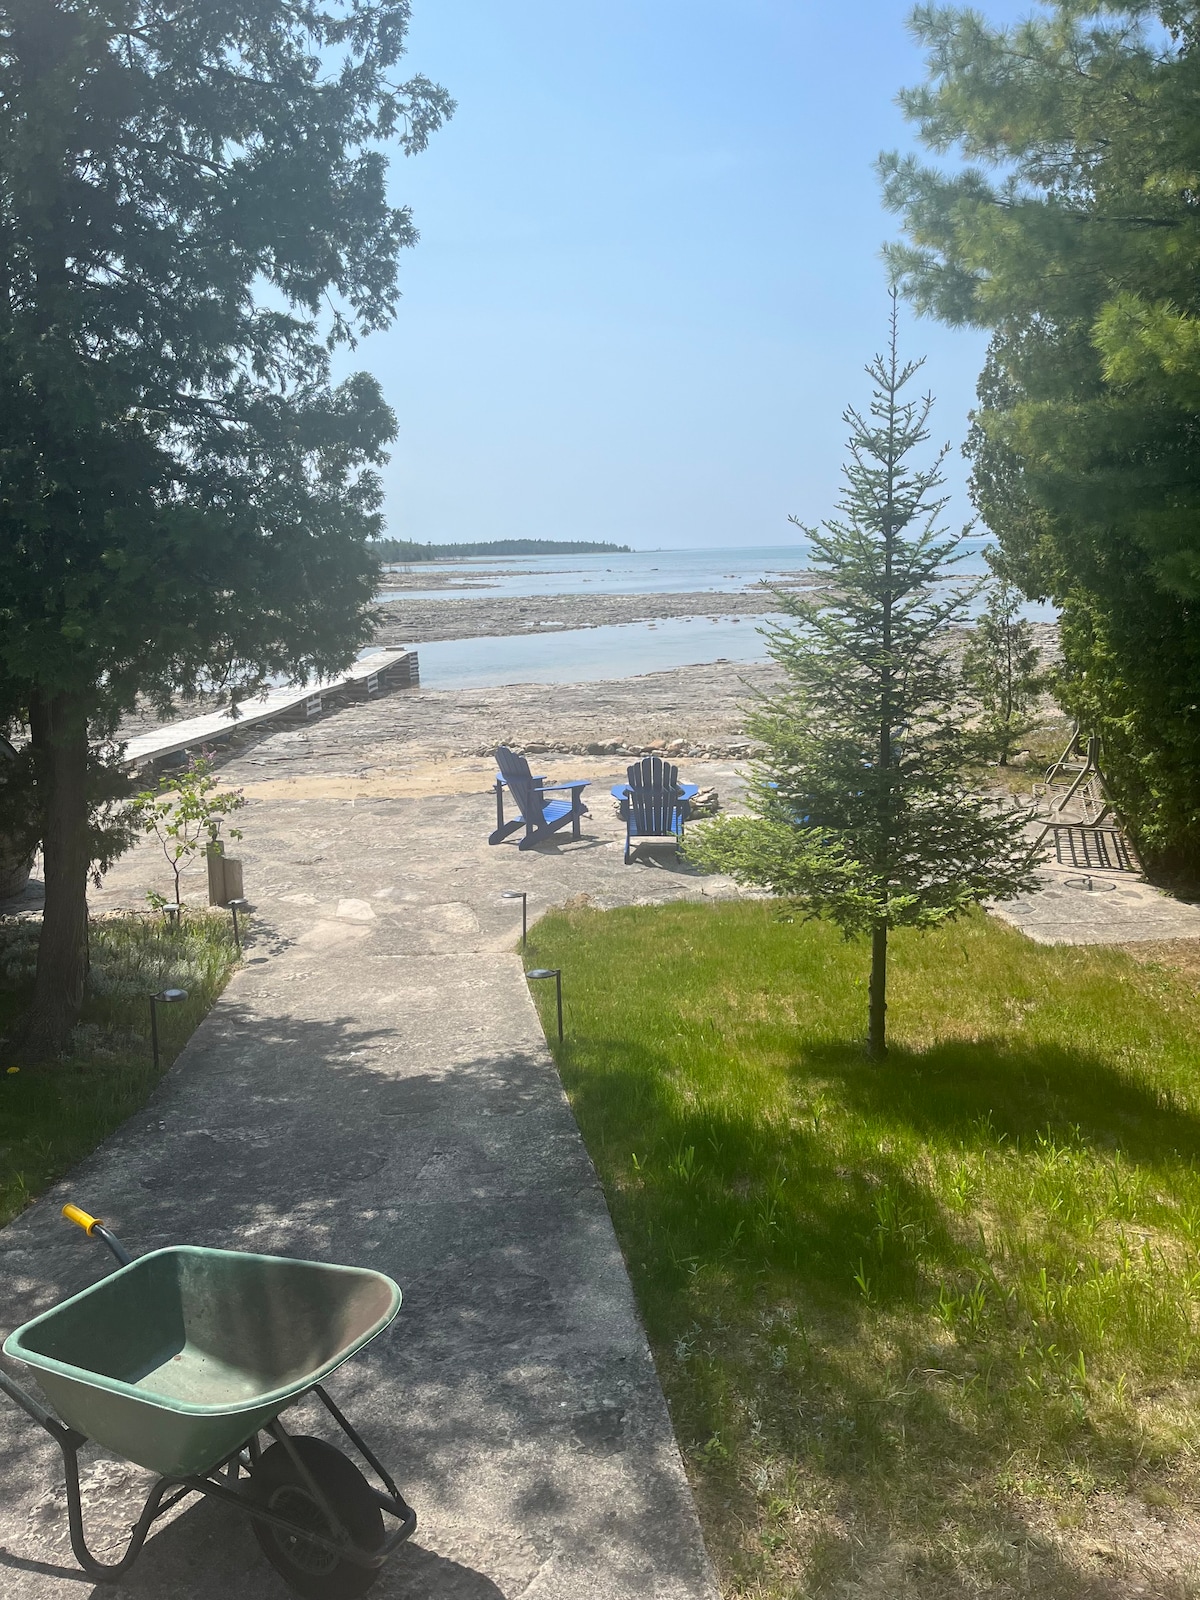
(928, 1327)
(54, 1115)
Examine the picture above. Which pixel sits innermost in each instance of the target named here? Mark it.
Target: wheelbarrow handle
(68, 1438)
(93, 1226)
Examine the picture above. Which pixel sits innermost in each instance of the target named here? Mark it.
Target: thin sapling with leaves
(186, 814)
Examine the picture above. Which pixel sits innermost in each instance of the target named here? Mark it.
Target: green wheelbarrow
(181, 1360)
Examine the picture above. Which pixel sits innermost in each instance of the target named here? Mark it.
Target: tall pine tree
(1060, 212)
(860, 810)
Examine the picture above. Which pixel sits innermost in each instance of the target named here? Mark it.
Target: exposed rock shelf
(413, 621)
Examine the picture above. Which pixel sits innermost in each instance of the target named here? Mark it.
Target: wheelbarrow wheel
(307, 1568)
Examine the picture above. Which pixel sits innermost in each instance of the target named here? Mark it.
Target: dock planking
(376, 674)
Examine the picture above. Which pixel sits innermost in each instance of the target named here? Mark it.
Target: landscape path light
(536, 973)
(168, 997)
(520, 894)
(235, 906)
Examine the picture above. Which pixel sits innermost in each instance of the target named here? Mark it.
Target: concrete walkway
(374, 1087)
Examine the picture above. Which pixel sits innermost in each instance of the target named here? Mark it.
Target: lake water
(589, 655)
(638, 572)
(582, 655)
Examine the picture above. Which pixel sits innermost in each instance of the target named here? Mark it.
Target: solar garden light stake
(555, 973)
(235, 906)
(169, 997)
(519, 894)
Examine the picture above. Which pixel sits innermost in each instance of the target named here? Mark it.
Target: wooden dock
(374, 675)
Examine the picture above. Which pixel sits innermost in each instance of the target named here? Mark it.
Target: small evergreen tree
(861, 813)
(1002, 673)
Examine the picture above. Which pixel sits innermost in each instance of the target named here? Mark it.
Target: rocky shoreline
(404, 622)
(697, 712)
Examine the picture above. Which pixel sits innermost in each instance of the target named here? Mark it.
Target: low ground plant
(53, 1114)
(929, 1326)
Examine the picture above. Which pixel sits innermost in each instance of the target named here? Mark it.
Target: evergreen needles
(1003, 674)
(861, 810)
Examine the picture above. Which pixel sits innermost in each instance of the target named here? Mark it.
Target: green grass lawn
(928, 1327)
(53, 1115)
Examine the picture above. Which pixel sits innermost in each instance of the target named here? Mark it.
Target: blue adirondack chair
(656, 804)
(538, 816)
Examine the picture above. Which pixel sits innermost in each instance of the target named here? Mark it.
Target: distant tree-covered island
(407, 550)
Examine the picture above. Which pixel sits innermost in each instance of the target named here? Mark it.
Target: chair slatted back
(516, 774)
(653, 796)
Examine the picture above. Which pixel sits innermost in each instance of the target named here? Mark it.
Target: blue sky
(649, 271)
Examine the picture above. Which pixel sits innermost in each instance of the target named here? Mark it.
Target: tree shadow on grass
(985, 1092)
(724, 1176)
(736, 1220)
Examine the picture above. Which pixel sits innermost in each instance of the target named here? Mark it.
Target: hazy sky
(649, 272)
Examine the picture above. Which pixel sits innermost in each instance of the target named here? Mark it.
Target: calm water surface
(582, 655)
(589, 655)
(639, 572)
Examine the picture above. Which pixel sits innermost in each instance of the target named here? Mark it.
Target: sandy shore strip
(413, 622)
(698, 710)
(693, 711)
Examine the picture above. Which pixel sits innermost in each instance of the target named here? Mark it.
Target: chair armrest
(503, 781)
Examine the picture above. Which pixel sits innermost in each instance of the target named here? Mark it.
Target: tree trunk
(877, 1031)
(58, 728)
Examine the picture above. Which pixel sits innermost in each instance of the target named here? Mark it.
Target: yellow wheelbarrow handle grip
(94, 1227)
(81, 1219)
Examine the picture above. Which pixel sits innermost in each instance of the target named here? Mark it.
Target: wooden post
(217, 893)
(877, 1035)
(224, 876)
(233, 880)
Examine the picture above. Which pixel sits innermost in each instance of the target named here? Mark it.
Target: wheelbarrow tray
(177, 1359)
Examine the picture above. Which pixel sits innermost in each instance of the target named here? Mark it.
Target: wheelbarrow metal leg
(69, 1442)
(393, 1502)
(351, 1551)
(107, 1572)
(356, 1439)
